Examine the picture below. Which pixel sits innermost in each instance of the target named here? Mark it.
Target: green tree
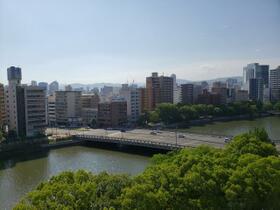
(277, 106)
(244, 175)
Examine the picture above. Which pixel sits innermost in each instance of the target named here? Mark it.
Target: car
(153, 133)
(123, 130)
(181, 136)
(227, 140)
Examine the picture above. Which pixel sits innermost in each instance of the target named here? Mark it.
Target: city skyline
(97, 41)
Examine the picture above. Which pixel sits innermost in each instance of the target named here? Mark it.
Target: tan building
(241, 95)
(143, 99)
(2, 106)
(112, 114)
(159, 90)
(90, 101)
(68, 108)
(220, 88)
(89, 108)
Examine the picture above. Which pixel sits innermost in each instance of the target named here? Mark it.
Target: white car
(227, 140)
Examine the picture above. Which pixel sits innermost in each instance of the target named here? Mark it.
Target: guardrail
(130, 142)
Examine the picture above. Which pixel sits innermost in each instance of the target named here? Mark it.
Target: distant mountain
(222, 79)
(179, 81)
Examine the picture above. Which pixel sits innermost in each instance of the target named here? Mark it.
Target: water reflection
(19, 176)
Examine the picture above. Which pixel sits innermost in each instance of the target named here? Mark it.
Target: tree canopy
(243, 175)
(183, 113)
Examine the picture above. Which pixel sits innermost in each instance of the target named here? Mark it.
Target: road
(185, 139)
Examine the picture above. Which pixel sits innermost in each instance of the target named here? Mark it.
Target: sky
(89, 41)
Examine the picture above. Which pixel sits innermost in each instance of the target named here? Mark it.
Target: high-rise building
(112, 114)
(32, 113)
(197, 90)
(187, 93)
(54, 86)
(176, 90)
(25, 106)
(68, 108)
(89, 108)
(143, 100)
(2, 106)
(255, 71)
(274, 81)
(159, 90)
(209, 98)
(33, 83)
(256, 89)
(241, 95)
(14, 79)
(220, 88)
(44, 85)
(90, 101)
(51, 110)
(132, 95)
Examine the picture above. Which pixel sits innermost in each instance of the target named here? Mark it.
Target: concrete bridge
(154, 144)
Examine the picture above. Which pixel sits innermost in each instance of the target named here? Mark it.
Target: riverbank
(209, 120)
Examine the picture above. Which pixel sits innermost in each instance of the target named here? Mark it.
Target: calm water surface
(271, 124)
(17, 177)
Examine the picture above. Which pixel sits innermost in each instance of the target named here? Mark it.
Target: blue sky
(91, 41)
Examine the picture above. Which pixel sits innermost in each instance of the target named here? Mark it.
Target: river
(19, 176)
(271, 125)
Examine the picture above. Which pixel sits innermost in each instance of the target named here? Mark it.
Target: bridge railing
(146, 143)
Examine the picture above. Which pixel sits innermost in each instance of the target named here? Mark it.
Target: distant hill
(179, 81)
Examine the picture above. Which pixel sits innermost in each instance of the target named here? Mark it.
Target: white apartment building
(132, 95)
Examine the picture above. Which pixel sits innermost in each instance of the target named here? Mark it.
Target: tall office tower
(220, 88)
(51, 110)
(263, 73)
(132, 95)
(112, 114)
(68, 108)
(43, 85)
(274, 81)
(187, 93)
(2, 106)
(25, 105)
(33, 83)
(255, 71)
(197, 90)
(231, 82)
(159, 90)
(54, 86)
(176, 90)
(256, 89)
(14, 78)
(32, 112)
